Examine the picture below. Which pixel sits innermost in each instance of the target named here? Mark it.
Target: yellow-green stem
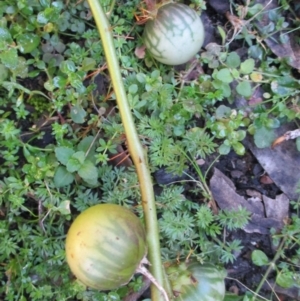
(137, 152)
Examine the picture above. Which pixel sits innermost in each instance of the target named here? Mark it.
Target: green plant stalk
(137, 152)
(270, 267)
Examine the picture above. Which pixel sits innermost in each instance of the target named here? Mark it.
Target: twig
(242, 284)
(144, 271)
(287, 136)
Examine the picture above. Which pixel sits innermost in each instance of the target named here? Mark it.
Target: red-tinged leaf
(140, 51)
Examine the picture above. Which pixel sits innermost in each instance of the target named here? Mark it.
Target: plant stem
(270, 267)
(137, 152)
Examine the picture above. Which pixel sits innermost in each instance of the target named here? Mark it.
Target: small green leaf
(3, 73)
(238, 148)
(272, 123)
(223, 112)
(73, 165)
(224, 87)
(259, 258)
(78, 114)
(88, 171)
(49, 86)
(256, 52)
(9, 58)
(86, 145)
(224, 75)
(244, 89)
(63, 154)
(224, 149)
(141, 77)
(247, 66)
(75, 162)
(28, 42)
(88, 64)
(21, 70)
(240, 135)
(80, 156)
(64, 207)
(60, 81)
(68, 67)
(222, 34)
(133, 88)
(233, 60)
(62, 177)
(41, 18)
(285, 279)
(235, 73)
(5, 34)
(264, 137)
(53, 59)
(253, 10)
(78, 85)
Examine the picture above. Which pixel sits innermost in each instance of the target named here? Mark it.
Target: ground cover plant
(64, 148)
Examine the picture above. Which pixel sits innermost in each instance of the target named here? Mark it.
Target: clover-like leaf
(224, 76)
(264, 137)
(247, 66)
(244, 88)
(233, 60)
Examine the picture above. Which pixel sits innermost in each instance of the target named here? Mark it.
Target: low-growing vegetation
(64, 147)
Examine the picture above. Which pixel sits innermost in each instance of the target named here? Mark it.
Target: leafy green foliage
(188, 229)
(234, 219)
(59, 128)
(81, 162)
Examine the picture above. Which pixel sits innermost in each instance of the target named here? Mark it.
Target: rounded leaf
(259, 258)
(264, 137)
(244, 89)
(28, 42)
(9, 58)
(247, 66)
(233, 60)
(224, 75)
(285, 279)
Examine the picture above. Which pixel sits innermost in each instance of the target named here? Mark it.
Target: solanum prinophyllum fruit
(174, 35)
(193, 281)
(105, 245)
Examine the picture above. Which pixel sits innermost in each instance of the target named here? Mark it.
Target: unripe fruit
(105, 245)
(175, 35)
